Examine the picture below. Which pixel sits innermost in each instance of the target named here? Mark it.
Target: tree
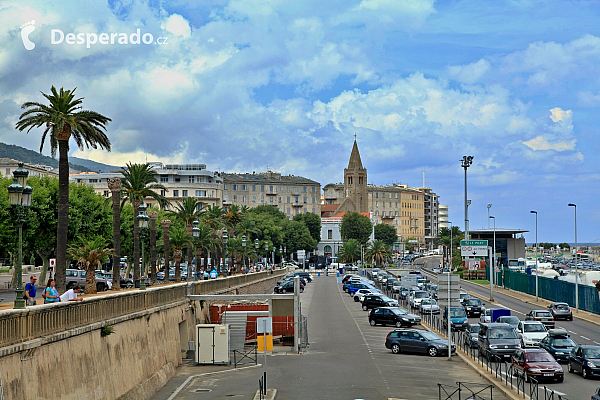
(385, 233)
(296, 236)
(350, 251)
(63, 118)
(312, 222)
(187, 211)
(115, 184)
(91, 253)
(178, 239)
(565, 246)
(356, 226)
(378, 252)
(140, 182)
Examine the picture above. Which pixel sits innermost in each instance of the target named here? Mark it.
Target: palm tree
(187, 211)
(378, 252)
(203, 243)
(166, 223)
(115, 184)
(178, 239)
(153, 215)
(63, 118)
(91, 253)
(139, 182)
(350, 250)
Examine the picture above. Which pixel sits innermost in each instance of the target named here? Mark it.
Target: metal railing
(240, 355)
(262, 386)
(473, 391)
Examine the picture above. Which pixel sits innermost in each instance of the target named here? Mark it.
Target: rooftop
(267, 177)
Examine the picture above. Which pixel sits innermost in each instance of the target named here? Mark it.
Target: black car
(417, 341)
(304, 275)
(471, 335)
(287, 287)
(561, 311)
(291, 279)
(392, 316)
(558, 343)
(544, 316)
(473, 307)
(585, 359)
(390, 283)
(377, 300)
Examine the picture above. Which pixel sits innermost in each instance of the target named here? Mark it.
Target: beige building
(291, 194)
(8, 166)
(180, 180)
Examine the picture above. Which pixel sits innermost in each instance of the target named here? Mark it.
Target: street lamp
(195, 234)
(493, 263)
(19, 196)
(281, 255)
(256, 246)
(536, 255)
(488, 207)
(466, 162)
(244, 250)
(576, 271)
(142, 219)
(225, 240)
(267, 252)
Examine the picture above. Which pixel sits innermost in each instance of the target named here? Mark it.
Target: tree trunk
(136, 242)
(90, 279)
(165, 223)
(177, 254)
(62, 228)
(153, 270)
(45, 255)
(114, 185)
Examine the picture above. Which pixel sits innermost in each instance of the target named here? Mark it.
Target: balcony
(273, 193)
(297, 204)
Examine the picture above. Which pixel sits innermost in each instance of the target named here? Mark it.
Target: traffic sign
(473, 248)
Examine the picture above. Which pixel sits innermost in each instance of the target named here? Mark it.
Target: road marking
(585, 338)
(573, 332)
(596, 342)
(503, 306)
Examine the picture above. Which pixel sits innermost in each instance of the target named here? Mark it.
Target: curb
(271, 394)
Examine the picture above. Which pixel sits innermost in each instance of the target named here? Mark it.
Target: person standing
(213, 274)
(71, 294)
(50, 293)
(30, 292)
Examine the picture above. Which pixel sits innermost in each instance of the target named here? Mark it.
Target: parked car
(361, 293)
(77, 277)
(126, 283)
(403, 293)
(417, 341)
(377, 300)
(305, 275)
(510, 320)
(531, 333)
(536, 363)
(429, 306)
(473, 307)
(390, 283)
(463, 296)
(585, 359)
(497, 340)
(416, 297)
(558, 343)
(561, 311)
(355, 286)
(596, 395)
(471, 335)
(374, 272)
(396, 286)
(544, 316)
(392, 316)
(287, 287)
(458, 318)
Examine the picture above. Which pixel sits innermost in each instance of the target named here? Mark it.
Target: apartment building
(8, 166)
(291, 194)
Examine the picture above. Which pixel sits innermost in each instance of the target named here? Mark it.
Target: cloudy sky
(246, 85)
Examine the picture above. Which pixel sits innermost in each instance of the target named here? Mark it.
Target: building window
(280, 189)
(254, 188)
(234, 197)
(106, 193)
(234, 187)
(304, 189)
(200, 193)
(360, 180)
(314, 189)
(164, 178)
(199, 207)
(279, 199)
(190, 179)
(295, 189)
(349, 180)
(175, 193)
(262, 188)
(163, 192)
(288, 211)
(314, 200)
(262, 198)
(376, 195)
(244, 188)
(184, 193)
(288, 189)
(271, 189)
(314, 210)
(253, 199)
(383, 195)
(225, 187)
(296, 200)
(288, 199)
(329, 234)
(305, 200)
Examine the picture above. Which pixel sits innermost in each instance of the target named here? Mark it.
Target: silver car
(429, 306)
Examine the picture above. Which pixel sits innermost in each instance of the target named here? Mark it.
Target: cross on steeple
(355, 136)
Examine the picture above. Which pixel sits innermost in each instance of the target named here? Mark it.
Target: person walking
(50, 293)
(71, 294)
(213, 274)
(30, 292)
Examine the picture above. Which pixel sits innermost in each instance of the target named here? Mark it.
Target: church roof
(355, 161)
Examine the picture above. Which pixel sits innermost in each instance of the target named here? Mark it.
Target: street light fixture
(576, 262)
(267, 252)
(142, 219)
(244, 250)
(256, 246)
(223, 270)
(466, 162)
(536, 255)
(19, 195)
(195, 234)
(493, 263)
(488, 207)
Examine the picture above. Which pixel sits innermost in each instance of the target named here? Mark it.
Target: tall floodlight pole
(493, 262)
(536, 255)
(466, 162)
(576, 271)
(488, 207)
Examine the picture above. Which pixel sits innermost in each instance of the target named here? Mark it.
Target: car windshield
(385, 298)
(399, 311)
(543, 314)
(562, 307)
(428, 302)
(430, 336)
(591, 353)
(539, 357)
(510, 320)
(421, 295)
(499, 333)
(475, 328)
(464, 295)
(472, 302)
(534, 328)
(457, 313)
(562, 342)
(396, 283)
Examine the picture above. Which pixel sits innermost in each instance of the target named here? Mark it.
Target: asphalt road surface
(574, 386)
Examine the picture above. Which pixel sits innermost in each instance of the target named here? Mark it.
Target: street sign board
(444, 303)
(264, 325)
(454, 278)
(473, 248)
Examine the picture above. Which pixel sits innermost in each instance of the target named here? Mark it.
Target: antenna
(423, 178)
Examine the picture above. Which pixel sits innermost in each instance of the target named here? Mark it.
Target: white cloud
(470, 73)
(178, 26)
(540, 143)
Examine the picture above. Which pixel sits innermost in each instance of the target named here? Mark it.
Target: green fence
(550, 289)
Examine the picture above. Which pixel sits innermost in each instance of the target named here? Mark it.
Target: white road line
(586, 338)
(596, 342)
(573, 332)
(503, 306)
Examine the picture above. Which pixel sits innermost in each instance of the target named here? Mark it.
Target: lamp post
(281, 255)
(285, 251)
(143, 219)
(19, 197)
(267, 252)
(256, 246)
(493, 262)
(488, 207)
(536, 257)
(466, 162)
(244, 250)
(576, 267)
(225, 240)
(195, 234)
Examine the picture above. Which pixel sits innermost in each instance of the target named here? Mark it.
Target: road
(574, 386)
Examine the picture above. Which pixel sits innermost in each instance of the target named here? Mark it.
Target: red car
(536, 363)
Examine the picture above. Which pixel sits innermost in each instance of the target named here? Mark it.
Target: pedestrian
(213, 274)
(50, 293)
(30, 292)
(71, 294)
(206, 274)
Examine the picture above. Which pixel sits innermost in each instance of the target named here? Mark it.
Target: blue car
(355, 286)
(458, 318)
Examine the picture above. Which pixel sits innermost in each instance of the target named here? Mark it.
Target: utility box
(212, 344)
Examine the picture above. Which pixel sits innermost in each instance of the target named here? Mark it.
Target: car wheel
(570, 369)
(571, 318)
(560, 379)
(432, 351)
(365, 308)
(372, 322)
(396, 348)
(398, 324)
(100, 287)
(355, 299)
(584, 373)
(128, 285)
(283, 291)
(301, 290)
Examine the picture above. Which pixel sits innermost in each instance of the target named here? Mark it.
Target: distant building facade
(443, 217)
(8, 166)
